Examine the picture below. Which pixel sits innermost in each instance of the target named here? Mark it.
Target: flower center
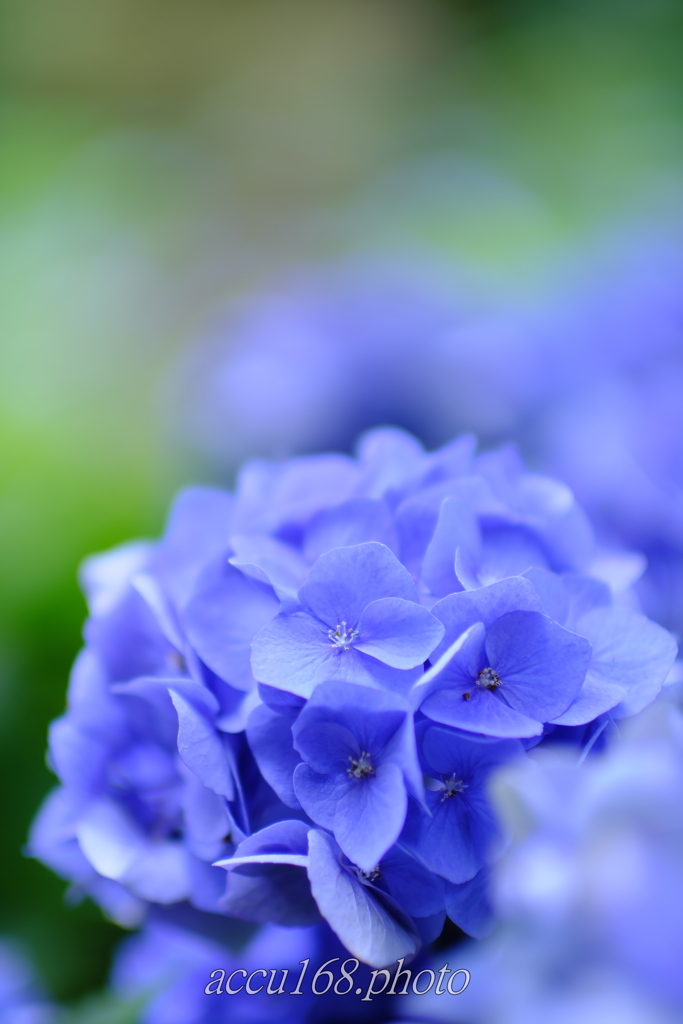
(360, 766)
(371, 876)
(489, 679)
(342, 637)
(451, 787)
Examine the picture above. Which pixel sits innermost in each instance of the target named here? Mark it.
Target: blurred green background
(159, 158)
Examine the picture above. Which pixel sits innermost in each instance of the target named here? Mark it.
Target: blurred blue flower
(590, 893)
(335, 350)
(21, 1001)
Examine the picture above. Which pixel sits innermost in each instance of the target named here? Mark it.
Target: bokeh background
(170, 168)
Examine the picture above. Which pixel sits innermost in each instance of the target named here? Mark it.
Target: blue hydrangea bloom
(359, 763)
(496, 682)
(288, 708)
(457, 832)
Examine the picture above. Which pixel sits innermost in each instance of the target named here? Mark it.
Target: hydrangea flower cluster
(287, 710)
(591, 891)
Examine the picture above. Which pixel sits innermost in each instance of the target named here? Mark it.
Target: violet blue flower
(359, 615)
(457, 832)
(515, 668)
(359, 765)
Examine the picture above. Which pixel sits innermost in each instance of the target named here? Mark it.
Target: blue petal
(327, 745)
(389, 457)
(222, 618)
(483, 712)
(416, 521)
(430, 927)
(585, 594)
(197, 530)
(274, 495)
(279, 700)
(552, 593)
(342, 582)
(541, 665)
(270, 737)
(202, 748)
(205, 815)
(78, 758)
(288, 652)
(370, 924)
(320, 794)
(285, 837)
(118, 849)
(459, 611)
(456, 527)
(371, 716)
(458, 838)
(352, 522)
(508, 550)
(631, 659)
(268, 880)
(370, 814)
(398, 632)
(468, 905)
(446, 753)
(363, 670)
(269, 560)
(458, 666)
(419, 891)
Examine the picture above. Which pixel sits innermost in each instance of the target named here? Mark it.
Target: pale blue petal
(371, 716)
(459, 611)
(631, 659)
(268, 560)
(371, 925)
(398, 632)
(352, 522)
(225, 613)
(203, 748)
(552, 593)
(343, 581)
(457, 527)
(288, 652)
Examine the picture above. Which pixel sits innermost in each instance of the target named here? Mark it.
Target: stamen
(360, 766)
(489, 679)
(176, 661)
(451, 787)
(342, 637)
(371, 876)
